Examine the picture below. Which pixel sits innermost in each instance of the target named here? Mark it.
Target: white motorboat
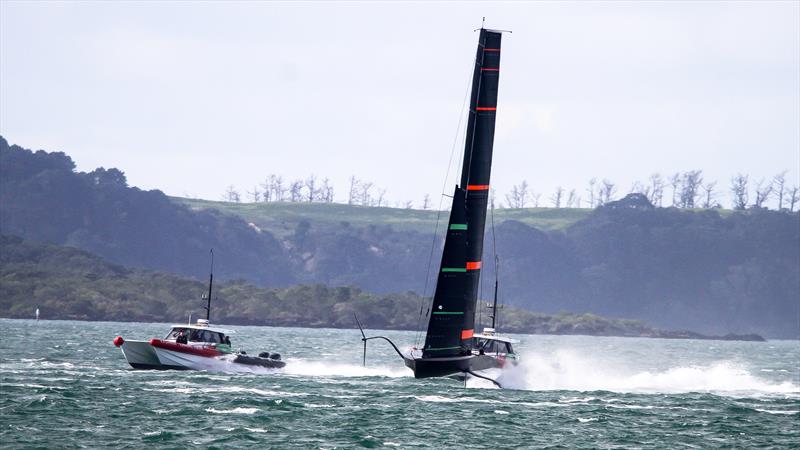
(196, 346)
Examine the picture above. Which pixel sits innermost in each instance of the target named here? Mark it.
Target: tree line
(67, 283)
(686, 190)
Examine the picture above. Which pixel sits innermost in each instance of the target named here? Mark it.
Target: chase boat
(198, 346)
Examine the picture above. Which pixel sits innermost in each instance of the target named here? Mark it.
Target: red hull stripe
(473, 265)
(485, 108)
(491, 49)
(466, 334)
(183, 348)
(477, 187)
(489, 69)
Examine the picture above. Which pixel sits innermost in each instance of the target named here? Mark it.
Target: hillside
(67, 283)
(705, 270)
(281, 218)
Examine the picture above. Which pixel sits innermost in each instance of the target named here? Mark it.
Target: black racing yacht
(451, 345)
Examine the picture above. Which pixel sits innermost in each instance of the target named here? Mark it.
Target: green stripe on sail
(448, 312)
(458, 226)
(454, 269)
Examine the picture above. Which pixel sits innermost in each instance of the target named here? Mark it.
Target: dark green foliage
(67, 283)
(709, 270)
(42, 198)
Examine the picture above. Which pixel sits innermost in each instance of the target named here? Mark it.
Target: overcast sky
(192, 97)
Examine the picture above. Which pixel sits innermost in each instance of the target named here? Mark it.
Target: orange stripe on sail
(466, 334)
(490, 69)
(477, 187)
(473, 265)
(491, 49)
(485, 108)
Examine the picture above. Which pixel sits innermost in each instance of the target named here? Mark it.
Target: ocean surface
(64, 385)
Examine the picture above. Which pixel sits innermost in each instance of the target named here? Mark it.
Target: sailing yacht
(451, 346)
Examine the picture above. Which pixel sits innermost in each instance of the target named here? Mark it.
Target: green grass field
(282, 218)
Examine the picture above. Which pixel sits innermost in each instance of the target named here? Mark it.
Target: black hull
(258, 361)
(454, 365)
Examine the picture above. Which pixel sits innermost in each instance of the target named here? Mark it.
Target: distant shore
(653, 333)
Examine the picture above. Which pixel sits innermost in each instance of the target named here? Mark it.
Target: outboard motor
(275, 356)
(263, 355)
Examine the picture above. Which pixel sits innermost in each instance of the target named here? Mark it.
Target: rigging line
(496, 264)
(441, 199)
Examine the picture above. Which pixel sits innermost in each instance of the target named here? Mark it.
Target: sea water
(63, 384)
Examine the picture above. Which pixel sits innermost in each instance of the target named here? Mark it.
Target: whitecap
(232, 411)
(773, 411)
(587, 419)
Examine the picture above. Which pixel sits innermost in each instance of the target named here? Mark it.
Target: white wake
(570, 370)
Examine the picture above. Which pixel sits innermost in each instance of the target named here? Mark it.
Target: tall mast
(452, 319)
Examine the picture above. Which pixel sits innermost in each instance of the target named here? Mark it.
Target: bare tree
(296, 191)
(272, 188)
(352, 196)
(709, 200)
(792, 193)
(310, 185)
(690, 187)
(365, 195)
(556, 197)
(266, 190)
(607, 191)
(656, 189)
(278, 191)
(232, 195)
(426, 202)
(518, 197)
(763, 192)
(739, 191)
(255, 194)
(590, 191)
(675, 181)
(379, 199)
(326, 191)
(572, 199)
(779, 182)
(407, 205)
(535, 196)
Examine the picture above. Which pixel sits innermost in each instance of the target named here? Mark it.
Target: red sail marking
(490, 69)
(485, 108)
(491, 49)
(466, 334)
(183, 348)
(477, 187)
(473, 265)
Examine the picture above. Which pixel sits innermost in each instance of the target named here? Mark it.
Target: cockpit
(195, 335)
(491, 346)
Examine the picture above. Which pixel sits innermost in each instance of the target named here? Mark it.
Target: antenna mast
(210, 283)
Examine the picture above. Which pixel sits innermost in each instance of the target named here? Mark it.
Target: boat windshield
(492, 346)
(172, 335)
(205, 336)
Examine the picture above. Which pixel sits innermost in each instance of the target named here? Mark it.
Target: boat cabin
(488, 343)
(200, 332)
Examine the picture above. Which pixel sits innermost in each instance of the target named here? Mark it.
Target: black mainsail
(449, 340)
(452, 317)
